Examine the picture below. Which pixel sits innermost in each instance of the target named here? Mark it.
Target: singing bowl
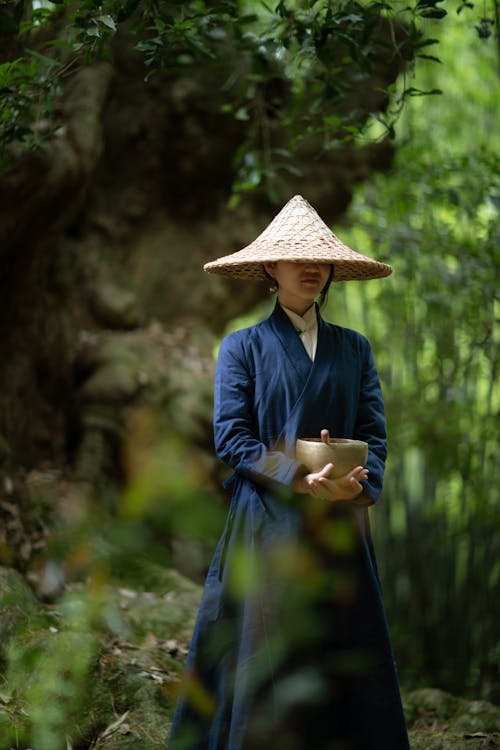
(342, 453)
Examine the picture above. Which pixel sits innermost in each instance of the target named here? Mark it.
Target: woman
(291, 647)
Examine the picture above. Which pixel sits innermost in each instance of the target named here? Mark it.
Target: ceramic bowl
(342, 453)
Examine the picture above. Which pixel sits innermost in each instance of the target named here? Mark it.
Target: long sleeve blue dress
(291, 648)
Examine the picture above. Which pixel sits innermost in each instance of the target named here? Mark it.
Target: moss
(103, 666)
(440, 721)
(429, 705)
(451, 741)
(478, 716)
(18, 604)
(146, 726)
(142, 672)
(163, 604)
(52, 674)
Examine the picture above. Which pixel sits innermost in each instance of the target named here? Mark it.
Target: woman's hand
(319, 484)
(306, 483)
(347, 487)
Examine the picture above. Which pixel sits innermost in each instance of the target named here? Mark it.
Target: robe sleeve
(235, 433)
(370, 427)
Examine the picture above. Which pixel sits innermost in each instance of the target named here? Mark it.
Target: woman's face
(298, 283)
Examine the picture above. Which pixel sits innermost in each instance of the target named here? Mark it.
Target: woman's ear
(270, 266)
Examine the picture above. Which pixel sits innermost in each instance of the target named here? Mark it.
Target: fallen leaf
(114, 726)
(128, 593)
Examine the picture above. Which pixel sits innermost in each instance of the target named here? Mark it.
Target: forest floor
(100, 668)
(93, 634)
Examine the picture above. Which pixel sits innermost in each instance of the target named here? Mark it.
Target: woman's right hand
(346, 487)
(319, 484)
(307, 483)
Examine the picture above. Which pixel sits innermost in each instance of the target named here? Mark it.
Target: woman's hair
(273, 282)
(324, 292)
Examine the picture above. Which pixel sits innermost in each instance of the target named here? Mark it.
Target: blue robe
(291, 647)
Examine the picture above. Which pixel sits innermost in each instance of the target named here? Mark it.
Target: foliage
(434, 330)
(101, 655)
(23, 118)
(434, 327)
(440, 373)
(288, 69)
(120, 615)
(437, 527)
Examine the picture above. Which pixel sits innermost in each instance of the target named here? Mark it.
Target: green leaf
(248, 18)
(234, 201)
(419, 92)
(61, 43)
(425, 43)
(145, 46)
(48, 61)
(242, 114)
(429, 57)
(267, 7)
(107, 21)
(333, 121)
(93, 31)
(433, 13)
(428, 3)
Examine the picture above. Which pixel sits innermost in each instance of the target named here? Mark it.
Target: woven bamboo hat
(299, 235)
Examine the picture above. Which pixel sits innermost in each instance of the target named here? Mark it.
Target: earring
(273, 289)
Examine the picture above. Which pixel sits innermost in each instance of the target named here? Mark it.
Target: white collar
(306, 322)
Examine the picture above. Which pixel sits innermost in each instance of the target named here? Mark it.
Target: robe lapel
(313, 378)
(293, 348)
(323, 360)
(320, 398)
(316, 400)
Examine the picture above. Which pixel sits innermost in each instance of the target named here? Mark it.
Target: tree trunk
(106, 229)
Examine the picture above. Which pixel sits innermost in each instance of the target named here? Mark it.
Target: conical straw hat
(299, 235)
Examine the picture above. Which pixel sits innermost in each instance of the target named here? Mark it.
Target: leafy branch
(293, 65)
